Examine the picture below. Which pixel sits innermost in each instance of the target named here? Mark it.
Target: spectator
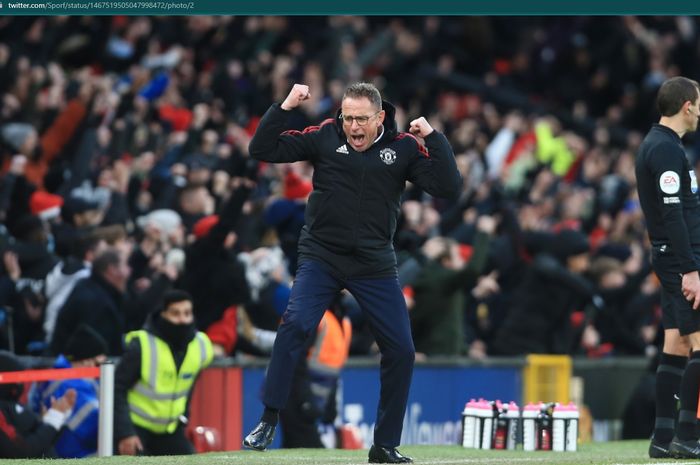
(96, 301)
(437, 317)
(24, 434)
(27, 263)
(145, 421)
(626, 323)
(80, 216)
(78, 437)
(65, 275)
(539, 321)
(213, 274)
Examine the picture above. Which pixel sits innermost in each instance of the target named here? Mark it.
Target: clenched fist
(298, 94)
(420, 127)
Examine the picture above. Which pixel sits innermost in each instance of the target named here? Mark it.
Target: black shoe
(260, 437)
(689, 449)
(379, 454)
(658, 450)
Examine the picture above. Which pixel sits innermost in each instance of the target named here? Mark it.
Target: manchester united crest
(387, 155)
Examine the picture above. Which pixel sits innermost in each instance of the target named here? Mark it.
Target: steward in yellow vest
(155, 377)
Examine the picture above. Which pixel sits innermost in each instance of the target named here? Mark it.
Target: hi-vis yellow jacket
(159, 397)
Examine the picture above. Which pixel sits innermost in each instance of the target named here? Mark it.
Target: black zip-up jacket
(668, 195)
(23, 433)
(352, 212)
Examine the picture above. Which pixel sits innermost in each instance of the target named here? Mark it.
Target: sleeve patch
(669, 182)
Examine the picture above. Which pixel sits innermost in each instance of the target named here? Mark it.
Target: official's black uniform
(668, 195)
(347, 243)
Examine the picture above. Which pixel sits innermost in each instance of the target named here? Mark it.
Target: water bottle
(559, 421)
(530, 413)
(488, 414)
(479, 407)
(572, 415)
(513, 417)
(469, 424)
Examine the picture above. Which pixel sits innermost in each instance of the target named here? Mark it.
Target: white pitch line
(464, 461)
(479, 460)
(661, 463)
(418, 461)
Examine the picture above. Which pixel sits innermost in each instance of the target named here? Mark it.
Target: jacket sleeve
(548, 267)
(273, 144)
(228, 216)
(54, 139)
(35, 443)
(434, 169)
(664, 160)
(127, 374)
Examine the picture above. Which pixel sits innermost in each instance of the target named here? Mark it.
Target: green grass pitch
(607, 453)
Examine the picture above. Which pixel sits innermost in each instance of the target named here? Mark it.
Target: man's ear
(382, 115)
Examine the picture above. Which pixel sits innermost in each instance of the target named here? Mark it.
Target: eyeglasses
(360, 120)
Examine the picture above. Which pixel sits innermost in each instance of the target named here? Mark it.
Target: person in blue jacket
(78, 437)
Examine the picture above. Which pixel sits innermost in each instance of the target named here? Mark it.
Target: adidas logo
(342, 149)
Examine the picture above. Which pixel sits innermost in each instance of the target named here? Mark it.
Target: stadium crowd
(125, 173)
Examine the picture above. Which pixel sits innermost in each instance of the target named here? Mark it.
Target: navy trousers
(383, 303)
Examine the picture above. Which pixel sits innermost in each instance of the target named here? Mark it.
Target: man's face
(694, 115)
(118, 275)
(361, 122)
(179, 313)
(578, 263)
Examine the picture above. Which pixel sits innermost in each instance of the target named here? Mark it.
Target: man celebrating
(668, 195)
(361, 164)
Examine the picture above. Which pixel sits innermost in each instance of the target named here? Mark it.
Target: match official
(668, 195)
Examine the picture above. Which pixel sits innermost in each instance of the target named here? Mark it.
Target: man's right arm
(126, 376)
(667, 171)
(668, 168)
(33, 444)
(271, 142)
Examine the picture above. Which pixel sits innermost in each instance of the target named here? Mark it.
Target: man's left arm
(434, 168)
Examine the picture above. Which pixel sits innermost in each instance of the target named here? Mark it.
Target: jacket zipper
(359, 198)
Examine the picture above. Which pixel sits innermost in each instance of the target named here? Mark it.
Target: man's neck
(675, 124)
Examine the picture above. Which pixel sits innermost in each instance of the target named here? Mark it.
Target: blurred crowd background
(125, 173)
